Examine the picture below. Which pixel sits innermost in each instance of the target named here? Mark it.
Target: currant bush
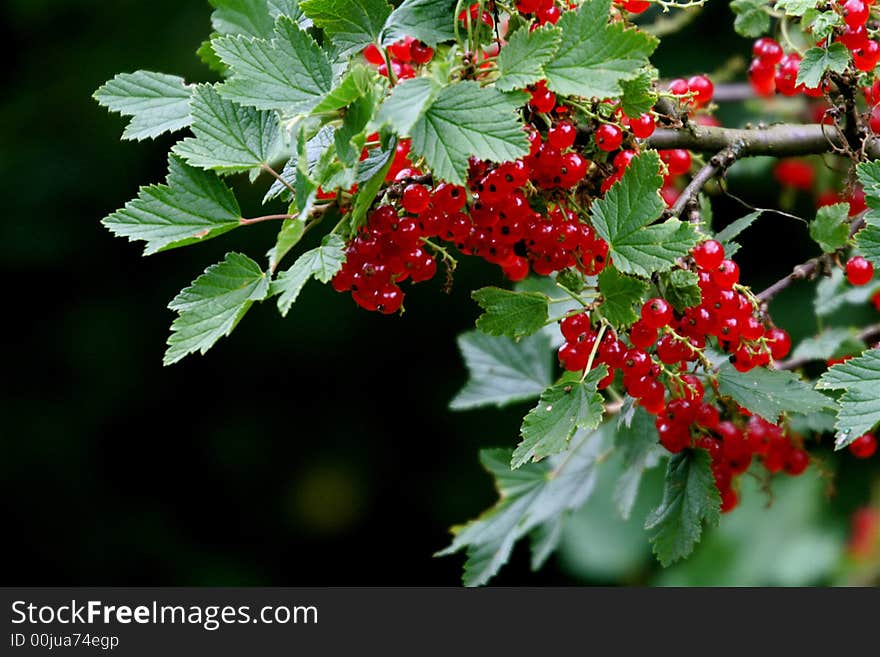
(537, 136)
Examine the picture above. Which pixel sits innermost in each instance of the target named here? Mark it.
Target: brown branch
(716, 165)
(782, 140)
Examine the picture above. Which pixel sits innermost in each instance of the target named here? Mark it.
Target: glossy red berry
(729, 500)
(420, 52)
(677, 160)
(642, 335)
(859, 271)
(767, 50)
(864, 446)
(795, 173)
(855, 13)
(708, 255)
(373, 55)
(657, 313)
(643, 126)
(679, 87)
(702, 88)
(866, 57)
(415, 198)
(542, 100)
(608, 137)
(574, 325)
(762, 77)
(562, 135)
(797, 462)
(726, 275)
(779, 343)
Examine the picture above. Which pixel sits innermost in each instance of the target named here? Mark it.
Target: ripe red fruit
(874, 119)
(855, 13)
(643, 126)
(574, 325)
(562, 135)
(762, 77)
(677, 160)
(729, 500)
(768, 51)
(863, 447)
(708, 255)
(542, 99)
(548, 13)
(608, 137)
(635, 6)
(415, 198)
(657, 313)
(779, 343)
(726, 275)
(702, 88)
(420, 52)
(642, 335)
(679, 87)
(859, 271)
(795, 173)
(373, 55)
(866, 57)
(797, 462)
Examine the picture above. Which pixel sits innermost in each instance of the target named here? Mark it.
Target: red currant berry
(415, 198)
(702, 88)
(677, 160)
(874, 119)
(548, 13)
(863, 447)
(726, 275)
(795, 173)
(779, 343)
(797, 462)
(574, 325)
(608, 137)
(562, 135)
(767, 50)
(708, 255)
(635, 6)
(643, 126)
(762, 77)
(866, 57)
(657, 313)
(729, 500)
(542, 100)
(678, 87)
(642, 335)
(859, 271)
(855, 13)
(373, 55)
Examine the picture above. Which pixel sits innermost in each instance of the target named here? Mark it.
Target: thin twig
(265, 167)
(716, 165)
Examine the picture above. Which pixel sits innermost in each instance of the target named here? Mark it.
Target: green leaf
(157, 103)
(868, 243)
(464, 121)
(638, 445)
(869, 176)
(291, 232)
(830, 228)
(690, 498)
(535, 495)
(733, 230)
(214, 304)
(193, 206)
(830, 343)
(289, 73)
(514, 314)
(752, 17)
(230, 138)
(406, 104)
(818, 61)
(562, 410)
(321, 263)
(769, 393)
(371, 177)
(209, 57)
(821, 23)
(620, 296)
(351, 24)
(859, 405)
(248, 17)
(356, 84)
(502, 371)
(431, 21)
(594, 55)
(521, 61)
(681, 288)
(833, 292)
(621, 218)
(350, 137)
(639, 95)
(795, 7)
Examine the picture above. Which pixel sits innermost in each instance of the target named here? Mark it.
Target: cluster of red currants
(405, 56)
(865, 51)
(773, 71)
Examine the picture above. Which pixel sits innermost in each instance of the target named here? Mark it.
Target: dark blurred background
(315, 450)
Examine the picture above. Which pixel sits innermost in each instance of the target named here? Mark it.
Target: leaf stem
(268, 217)
(265, 167)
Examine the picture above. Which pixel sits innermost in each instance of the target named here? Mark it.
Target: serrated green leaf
(521, 61)
(869, 176)
(681, 288)
(532, 496)
(356, 84)
(514, 314)
(818, 61)
(830, 228)
(350, 137)
(370, 176)
(795, 7)
(229, 138)
(594, 55)
(502, 371)
(290, 73)
(769, 393)
(248, 17)
(859, 405)
(431, 21)
(868, 244)
(561, 411)
(209, 57)
(752, 17)
(157, 103)
(321, 263)
(406, 105)
(289, 235)
(830, 343)
(193, 205)
(623, 216)
(690, 498)
(734, 230)
(821, 23)
(467, 120)
(214, 304)
(639, 95)
(351, 24)
(620, 296)
(638, 445)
